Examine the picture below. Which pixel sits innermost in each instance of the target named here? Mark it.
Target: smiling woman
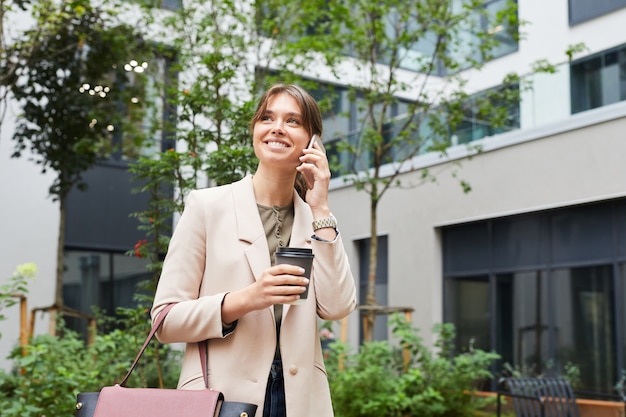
(220, 269)
(300, 116)
(279, 137)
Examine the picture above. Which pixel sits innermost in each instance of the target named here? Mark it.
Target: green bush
(407, 379)
(46, 379)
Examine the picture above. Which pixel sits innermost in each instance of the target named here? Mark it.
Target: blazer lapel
(249, 226)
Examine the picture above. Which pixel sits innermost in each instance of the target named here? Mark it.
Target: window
(521, 320)
(598, 80)
(584, 324)
(335, 105)
(172, 5)
(583, 10)
(470, 36)
(141, 122)
(105, 280)
(621, 303)
(503, 33)
(468, 308)
(544, 290)
(412, 58)
(145, 128)
(475, 126)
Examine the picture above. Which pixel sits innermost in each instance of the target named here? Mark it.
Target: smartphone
(307, 177)
(312, 141)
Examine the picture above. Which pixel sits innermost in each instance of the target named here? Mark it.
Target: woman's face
(279, 136)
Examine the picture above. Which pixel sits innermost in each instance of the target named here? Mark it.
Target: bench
(544, 397)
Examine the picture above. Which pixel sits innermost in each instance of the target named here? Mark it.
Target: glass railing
(545, 98)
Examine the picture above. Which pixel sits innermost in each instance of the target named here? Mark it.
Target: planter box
(595, 408)
(588, 408)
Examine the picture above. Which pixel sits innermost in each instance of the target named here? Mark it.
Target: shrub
(46, 379)
(407, 379)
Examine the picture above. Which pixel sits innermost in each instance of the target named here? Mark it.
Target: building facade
(530, 263)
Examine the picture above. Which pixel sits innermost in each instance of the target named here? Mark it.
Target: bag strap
(202, 347)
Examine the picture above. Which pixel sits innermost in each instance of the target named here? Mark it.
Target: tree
(407, 77)
(407, 62)
(65, 74)
(226, 53)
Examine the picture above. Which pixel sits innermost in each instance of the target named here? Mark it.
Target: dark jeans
(275, 392)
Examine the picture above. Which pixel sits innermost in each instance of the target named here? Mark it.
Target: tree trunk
(58, 295)
(370, 315)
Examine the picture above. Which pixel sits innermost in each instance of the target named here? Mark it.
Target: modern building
(531, 263)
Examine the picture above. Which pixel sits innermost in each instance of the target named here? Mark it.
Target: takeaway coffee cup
(302, 257)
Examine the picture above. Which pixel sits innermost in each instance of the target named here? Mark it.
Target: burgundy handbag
(120, 401)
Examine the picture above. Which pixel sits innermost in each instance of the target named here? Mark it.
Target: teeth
(276, 144)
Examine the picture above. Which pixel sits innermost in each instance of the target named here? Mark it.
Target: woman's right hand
(279, 284)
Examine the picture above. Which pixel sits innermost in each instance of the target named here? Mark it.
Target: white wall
(29, 223)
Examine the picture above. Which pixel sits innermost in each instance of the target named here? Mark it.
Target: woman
(220, 270)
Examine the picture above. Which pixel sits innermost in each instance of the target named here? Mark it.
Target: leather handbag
(121, 401)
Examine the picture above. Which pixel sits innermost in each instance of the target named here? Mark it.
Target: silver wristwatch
(324, 223)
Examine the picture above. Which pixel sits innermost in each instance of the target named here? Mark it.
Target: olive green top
(277, 222)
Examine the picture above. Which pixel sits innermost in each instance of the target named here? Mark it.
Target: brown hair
(311, 117)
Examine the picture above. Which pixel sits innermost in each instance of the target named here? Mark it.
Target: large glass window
(621, 305)
(468, 307)
(503, 33)
(145, 130)
(521, 320)
(543, 288)
(469, 37)
(471, 34)
(584, 323)
(101, 280)
(162, 4)
(475, 125)
(583, 10)
(598, 80)
(141, 125)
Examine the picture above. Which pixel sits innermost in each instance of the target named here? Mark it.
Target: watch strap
(324, 223)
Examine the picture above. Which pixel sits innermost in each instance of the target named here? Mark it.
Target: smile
(275, 144)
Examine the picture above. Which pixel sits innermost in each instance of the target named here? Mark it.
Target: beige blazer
(218, 246)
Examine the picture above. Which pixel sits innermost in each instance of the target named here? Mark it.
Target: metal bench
(543, 397)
